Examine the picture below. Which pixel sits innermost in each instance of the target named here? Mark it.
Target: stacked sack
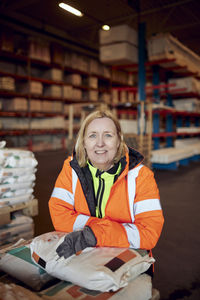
(17, 180)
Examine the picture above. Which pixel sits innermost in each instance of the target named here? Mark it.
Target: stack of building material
(35, 105)
(21, 226)
(191, 129)
(39, 49)
(188, 104)
(118, 45)
(53, 91)
(7, 83)
(14, 123)
(17, 180)
(16, 104)
(33, 87)
(74, 79)
(17, 176)
(67, 91)
(192, 144)
(129, 126)
(53, 74)
(184, 85)
(48, 123)
(165, 46)
(169, 155)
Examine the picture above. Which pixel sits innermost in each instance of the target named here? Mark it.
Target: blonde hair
(81, 154)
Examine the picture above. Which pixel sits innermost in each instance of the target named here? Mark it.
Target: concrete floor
(177, 254)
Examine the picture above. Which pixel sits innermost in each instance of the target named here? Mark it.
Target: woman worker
(104, 195)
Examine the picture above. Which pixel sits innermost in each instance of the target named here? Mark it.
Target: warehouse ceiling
(181, 18)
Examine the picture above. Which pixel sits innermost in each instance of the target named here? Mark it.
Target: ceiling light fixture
(71, 9)
(106, 27)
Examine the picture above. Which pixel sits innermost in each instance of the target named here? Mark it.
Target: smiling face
(101, 143)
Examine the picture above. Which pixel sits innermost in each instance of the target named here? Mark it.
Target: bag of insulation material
(95, 268)
(16, 261)
(139, 288)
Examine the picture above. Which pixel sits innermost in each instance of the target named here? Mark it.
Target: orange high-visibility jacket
(133, 214)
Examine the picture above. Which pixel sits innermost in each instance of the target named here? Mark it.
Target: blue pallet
(184, 161)
(171, 166)
(195, 157)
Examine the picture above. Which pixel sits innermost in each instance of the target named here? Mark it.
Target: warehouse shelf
(175, 113)
(18, 132)
(29, 114)
(175, 134)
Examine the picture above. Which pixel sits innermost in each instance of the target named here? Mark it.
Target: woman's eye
(108, 135)
(92, 135)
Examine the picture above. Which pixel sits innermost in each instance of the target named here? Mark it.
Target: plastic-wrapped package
(21, 226)
(17, 262)
(102, 268)
(138, 289)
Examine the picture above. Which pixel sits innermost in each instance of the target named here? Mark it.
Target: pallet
(29, 208)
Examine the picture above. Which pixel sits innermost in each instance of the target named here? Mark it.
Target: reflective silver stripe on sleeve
(74, 181)
(133, 235)
(132, 175)
(63, 194)
(146, 205)
(80, 222)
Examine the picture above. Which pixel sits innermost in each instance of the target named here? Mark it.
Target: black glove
(76, 241)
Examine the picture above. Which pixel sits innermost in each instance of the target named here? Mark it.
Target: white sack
(137, 289)
(17, 263)
(103, 269)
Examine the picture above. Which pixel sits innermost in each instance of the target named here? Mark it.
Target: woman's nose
(100, 141)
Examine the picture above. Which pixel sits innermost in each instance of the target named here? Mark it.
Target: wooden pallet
(29, 208)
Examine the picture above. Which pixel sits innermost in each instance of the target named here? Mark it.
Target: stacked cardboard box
(35, 105)
(39, 49)
(53, 74)
(118, 45)
(53, 91)
(33, 87)
(7, 83)
(74, 79)
(67, 91)
(15, 104)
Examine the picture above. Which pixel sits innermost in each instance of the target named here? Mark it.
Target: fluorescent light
(71, 9)
(106, 27)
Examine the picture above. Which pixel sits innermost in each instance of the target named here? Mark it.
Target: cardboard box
(120, 33)
(33, 87)
(7, 83)
(67, 91)
(77, 94)
(54, 74)
(35, 105)
(47, 106)
(119, 53)
(53, 91)
(91, 82)
(15, 104)
(57, 106)
(74, 79)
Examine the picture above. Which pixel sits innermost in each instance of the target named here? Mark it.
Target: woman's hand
(76, 241)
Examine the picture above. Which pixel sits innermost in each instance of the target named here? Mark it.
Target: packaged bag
(99, 268)
(137, 289)
(17, 262)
